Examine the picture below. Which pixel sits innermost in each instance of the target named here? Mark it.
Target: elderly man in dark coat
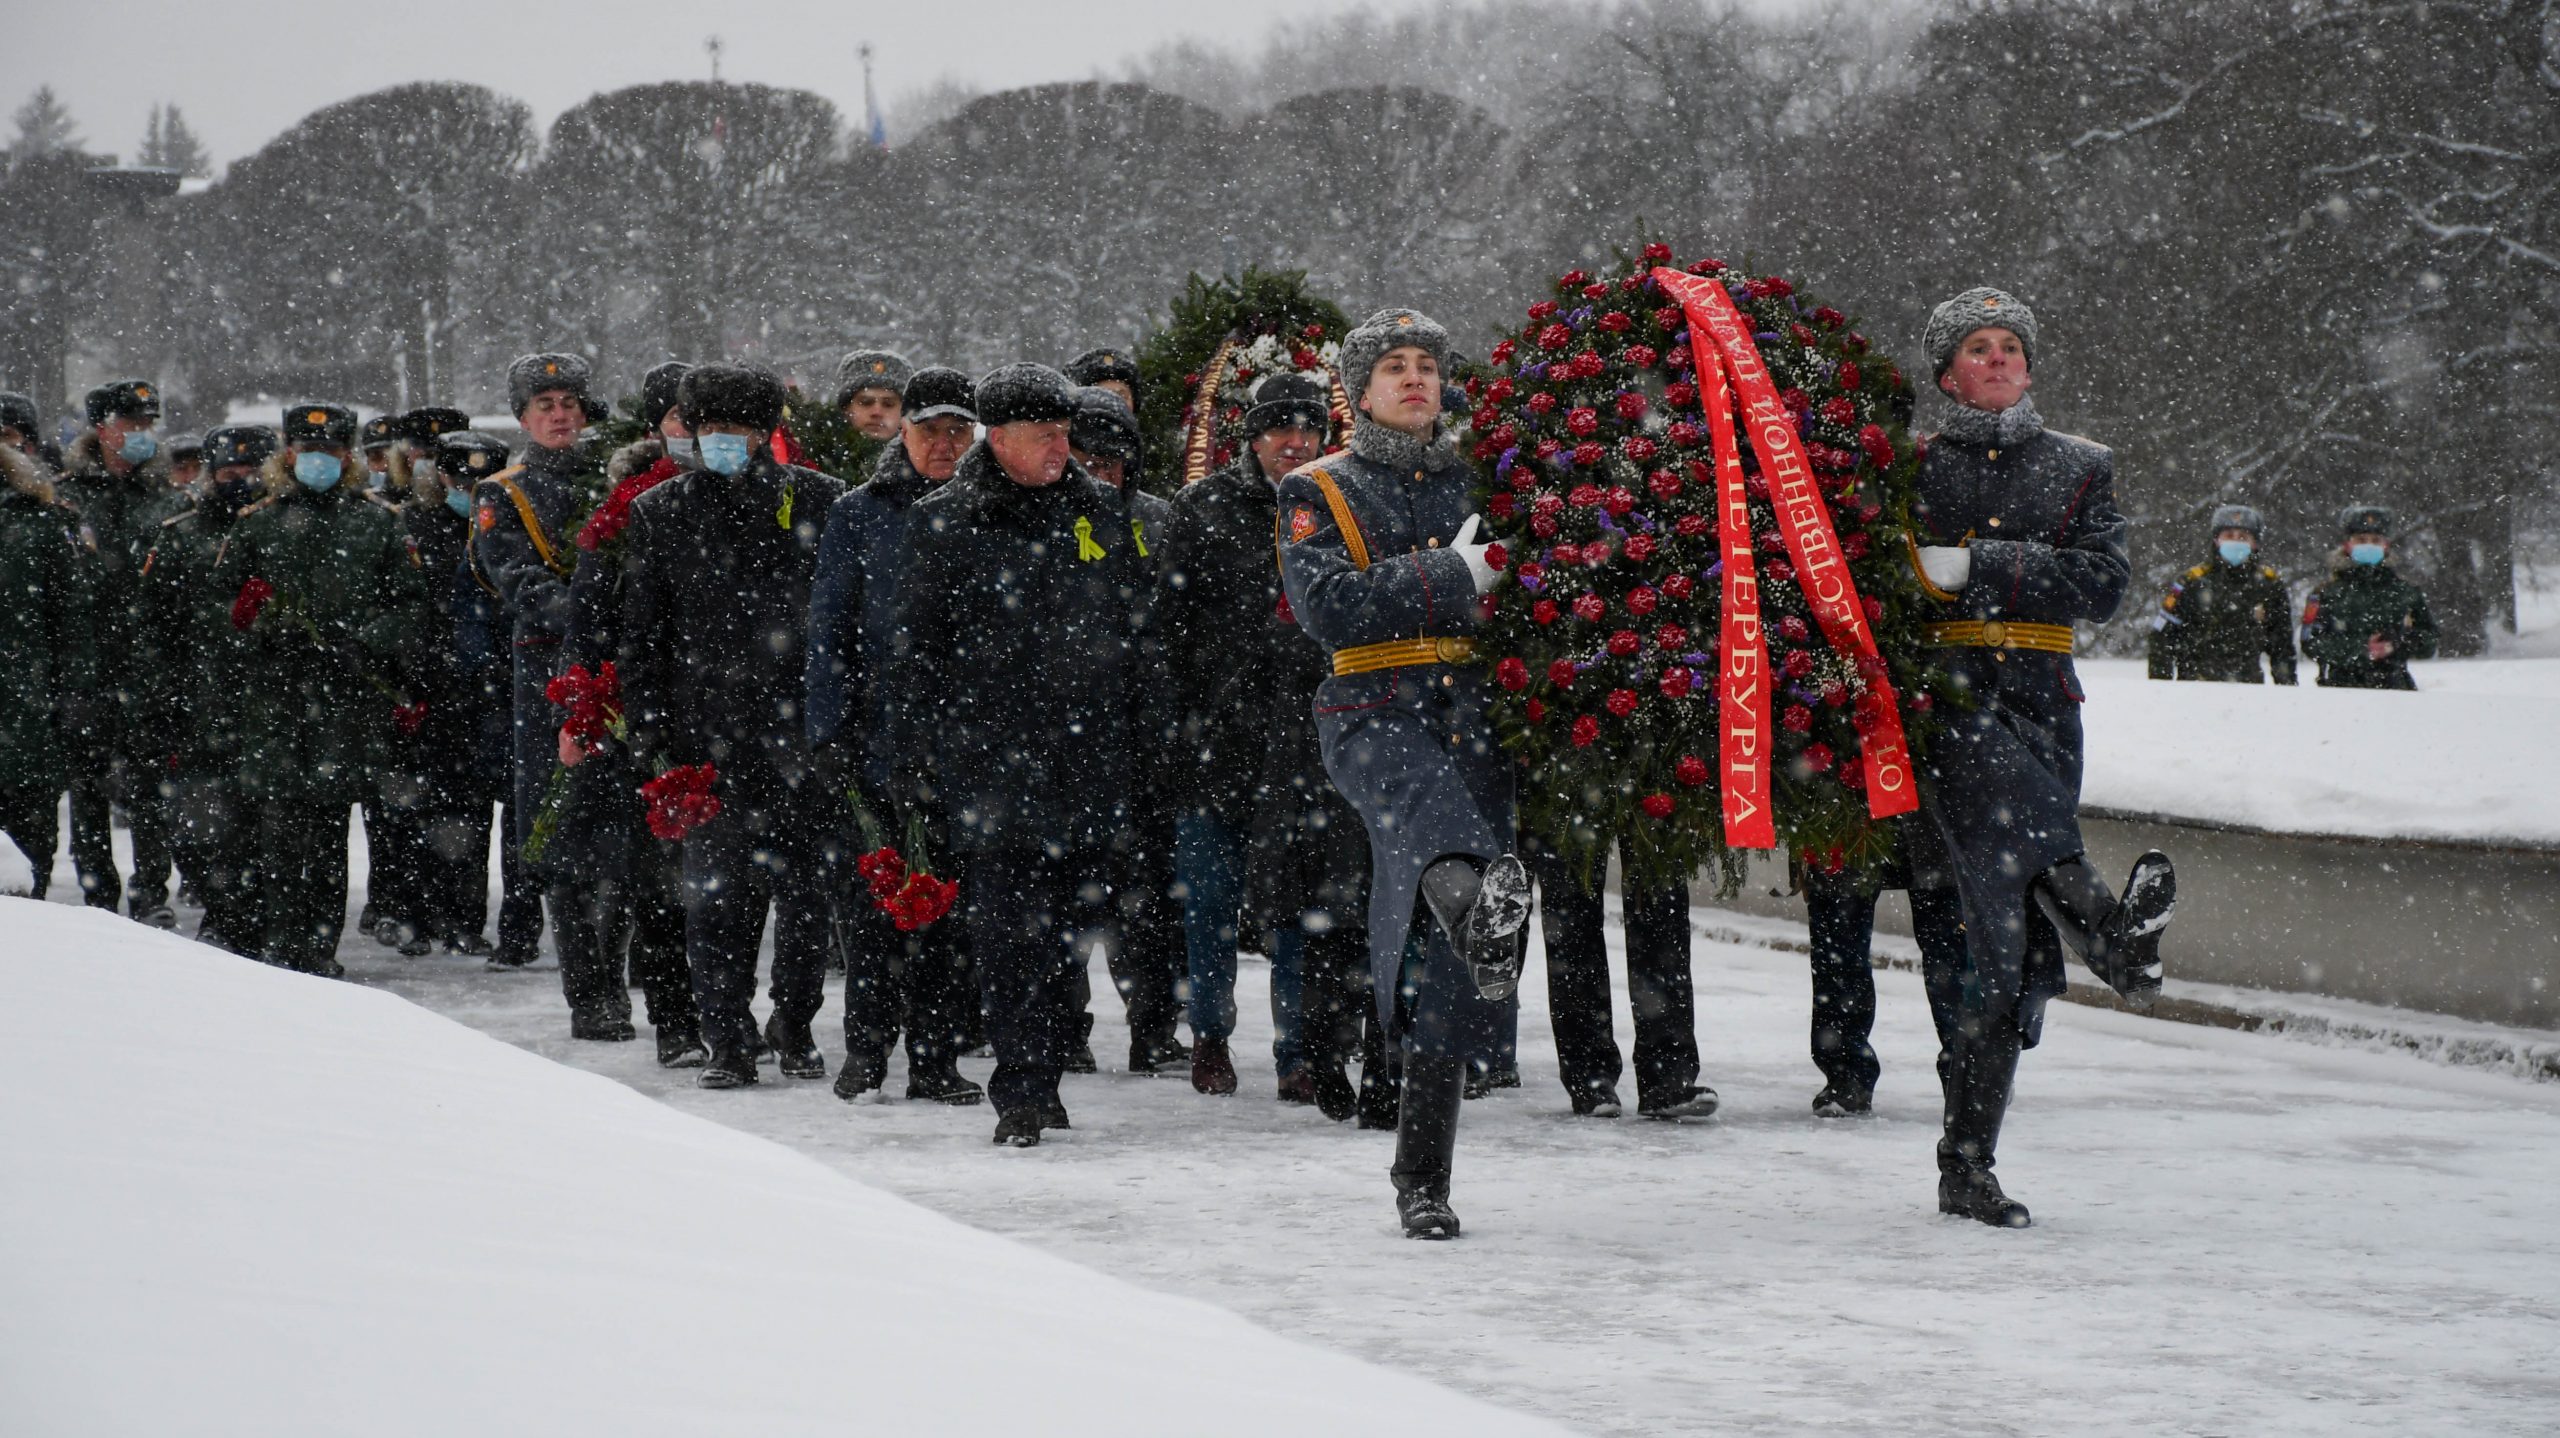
(1029, 705)
(895, 980)
(2020, 538)
(1379, 556)
(717, 570)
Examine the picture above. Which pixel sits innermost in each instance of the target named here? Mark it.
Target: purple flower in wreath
(1563, 460)
(1712, 570)
(1766, 337)
(1607, 523)
(1741, 293)
(1534, 371)
(1694, 656)
(1579, 317)
(1534, 586)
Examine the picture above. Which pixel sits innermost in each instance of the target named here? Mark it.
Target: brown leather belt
(2002, 634)
(1401, 654)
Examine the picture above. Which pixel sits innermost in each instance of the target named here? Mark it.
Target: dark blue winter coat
(2000, 784)
(853, 612)
(1411, 748)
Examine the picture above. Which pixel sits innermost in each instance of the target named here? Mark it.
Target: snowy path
(2236, 1234)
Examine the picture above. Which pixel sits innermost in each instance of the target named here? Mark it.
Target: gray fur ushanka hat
(1370, 340)
(1979, 308)
(871, 369)
(2238, 516)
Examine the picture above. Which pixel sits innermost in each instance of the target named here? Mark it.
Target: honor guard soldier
(1379, 557)
(2366, 624)
(2020, 539)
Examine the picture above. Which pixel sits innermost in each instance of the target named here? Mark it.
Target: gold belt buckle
(1995, 634)
(1453, 651)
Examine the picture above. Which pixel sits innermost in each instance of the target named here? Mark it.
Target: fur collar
(1400, 451)
(2012, 426)
(25, 475)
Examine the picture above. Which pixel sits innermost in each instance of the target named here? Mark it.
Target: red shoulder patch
(1302, 522)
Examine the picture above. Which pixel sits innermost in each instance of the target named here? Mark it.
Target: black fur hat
(1280, 398)
(1104, 426)
(937, 390)
(330, 426)
(738, 394)
(128, 398)
(236, 444)
(423, 424)
(1018, 393)
(467, 454)
(658, 390)
(19, 413)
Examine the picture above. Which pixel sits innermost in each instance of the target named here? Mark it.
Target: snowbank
(2452, 761)
(239, 1201)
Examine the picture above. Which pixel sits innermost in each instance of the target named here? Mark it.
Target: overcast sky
(245, 70)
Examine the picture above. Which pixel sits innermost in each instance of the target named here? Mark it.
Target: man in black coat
(718, 568)
(1029, 704)
(1221, 589)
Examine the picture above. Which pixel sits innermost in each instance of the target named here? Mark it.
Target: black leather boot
(1483, 911)
(1426, 1143)
(2118, 938)
(1977, 1075)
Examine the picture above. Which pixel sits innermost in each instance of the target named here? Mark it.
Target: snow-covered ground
(235, 1200)
(2437, 764)
(2236, 1234)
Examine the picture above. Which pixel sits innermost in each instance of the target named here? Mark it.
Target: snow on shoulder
(2442, 763)
(238, 1200)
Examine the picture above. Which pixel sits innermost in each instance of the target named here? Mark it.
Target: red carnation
(1560, 674)
(1691, 770)
(1537, 711)
(1568, 554)
(1620, 499)
(1685, 434)
(1595, 554)
(1589, 453)
(1850, 376)
(1484, 449)
(1498, 556)
(1584, 496)
(1771, 287)
(1588, 364)
(1543, 526)
(1817, 758)
(1658, 806)
(1484, 418)
(1624, 642)
(680, 800)
(1544, 611)
(1803, 334)
(407, 718)
(1874, 608)
(1522, 477)
(1541, 402)
(1590, 608)
(1511, 674)
(1798, 664)
(1585, 730)
(1313, 332)
(1780, 572)
(1669, 318)
(1622, 702)
(1796, 720)
(1303, 358)
(1640, 549)
(923, 900)
(1502, 506)
(1877, 444)
(594, 704)
(1643, 601)
(1643, 356)
(1657, 253)
(1855, 546)
(1500, 391)
(1664, 484)
(1574, 280)
(1542, 311)
(1583, 421)
(1837, 410)
(1680, 396)
(1555, 337)
(1853, 774)
(1708, 266)
(1502, 353)
(1833, 696)
(1640, 449)
(252, 598)
(1678, 359)
(1829, 318)
(1548, 504)
(1671, 638)
(1679, 586)
(1677, 682)
(1616, 322)
(1532, 570)
(1689, 526)
(1793, 630)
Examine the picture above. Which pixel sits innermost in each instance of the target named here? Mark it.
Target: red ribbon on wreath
(1729, 368)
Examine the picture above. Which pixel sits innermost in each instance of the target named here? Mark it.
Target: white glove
(1946, 566)
(1467, 549)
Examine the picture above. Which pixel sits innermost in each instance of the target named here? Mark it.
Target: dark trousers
(301, 879)
(895, 982)
(1151, 959)
(1029, 917)
(1331, 996)
(738, 866)
(1842, 923)
(215, 838)
(451, 861)
(145, 790)
(1658, 983)
(519, 896)
(391, 840)
(30, 820)
(1977, 1046)
(649, 910)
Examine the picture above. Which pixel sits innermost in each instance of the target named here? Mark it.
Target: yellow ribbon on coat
(1086, 549)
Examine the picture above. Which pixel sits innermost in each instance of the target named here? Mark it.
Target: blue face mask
(2235, 551)
(724, 453)
(458, 502)
(317, 470)
(139, 447)
(680, 449)
(2365, 553)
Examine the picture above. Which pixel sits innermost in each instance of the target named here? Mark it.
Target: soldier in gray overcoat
(1379, 558)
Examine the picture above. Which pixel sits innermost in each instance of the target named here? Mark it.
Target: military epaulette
(2270, 573)
(178, 518)
(2196, 573)
(249, 509)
